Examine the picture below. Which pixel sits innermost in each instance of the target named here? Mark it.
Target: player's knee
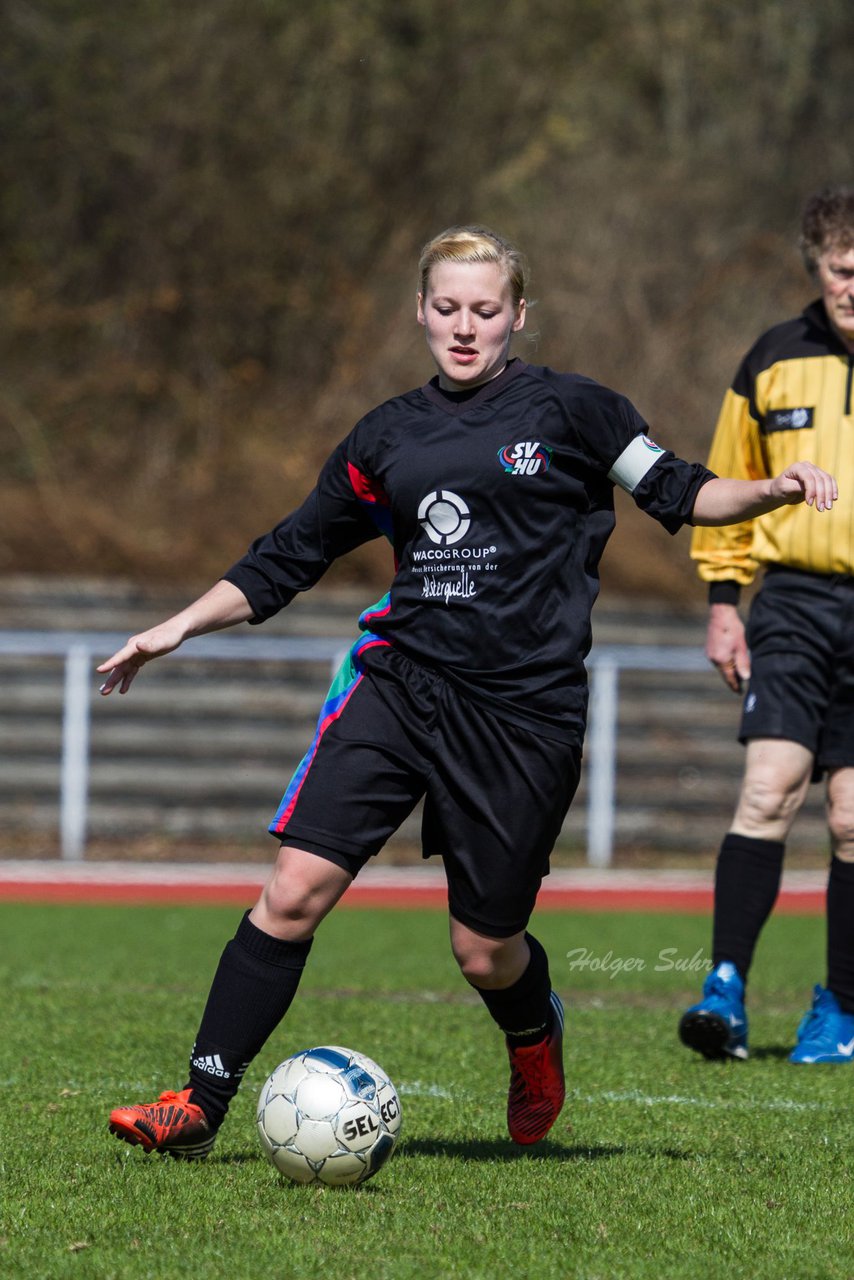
(477, 968)
(487, 962)
(294, 910)
(285, 916)
(301, 890)
(840, 820)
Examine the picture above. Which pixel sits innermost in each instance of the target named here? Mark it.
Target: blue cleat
(826, 1033)
(717, 1026)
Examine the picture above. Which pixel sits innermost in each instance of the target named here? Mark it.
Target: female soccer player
(494, 483)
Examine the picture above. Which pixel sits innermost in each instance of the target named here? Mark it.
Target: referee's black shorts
(801, 638)
(495, 794)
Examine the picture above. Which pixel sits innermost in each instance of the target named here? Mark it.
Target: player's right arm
(223, 606)
(292, 557)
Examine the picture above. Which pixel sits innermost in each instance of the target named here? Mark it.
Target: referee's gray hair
(475, 244)
(827, 223)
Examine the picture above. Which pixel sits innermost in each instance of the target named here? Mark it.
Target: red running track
(803, 893)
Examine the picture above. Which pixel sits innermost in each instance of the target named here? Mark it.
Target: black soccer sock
(840, 932)
(747, 880)
(523, 1011)
(253, 987)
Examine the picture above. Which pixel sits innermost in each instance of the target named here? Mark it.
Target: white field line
(709, 1104)
(421, 1089)
(407, 1088)
(426, 1089)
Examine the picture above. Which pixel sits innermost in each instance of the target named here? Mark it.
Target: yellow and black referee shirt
(791, 401)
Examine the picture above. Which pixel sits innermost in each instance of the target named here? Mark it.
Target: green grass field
(662, 1165)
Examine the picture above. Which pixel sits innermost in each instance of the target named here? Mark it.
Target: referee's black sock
(523, 1011)
(840, 932)
(747, 880)
(253, 987)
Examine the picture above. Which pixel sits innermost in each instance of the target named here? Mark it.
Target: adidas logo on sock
(212, 1064)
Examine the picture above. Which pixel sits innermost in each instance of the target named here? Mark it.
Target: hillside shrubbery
(211, 214)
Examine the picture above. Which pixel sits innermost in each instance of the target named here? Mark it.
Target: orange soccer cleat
(172, 1125)
(537, 1087)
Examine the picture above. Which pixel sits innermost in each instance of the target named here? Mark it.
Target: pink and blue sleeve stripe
(373, 498)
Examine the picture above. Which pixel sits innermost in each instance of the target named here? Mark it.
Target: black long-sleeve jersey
(498, 504)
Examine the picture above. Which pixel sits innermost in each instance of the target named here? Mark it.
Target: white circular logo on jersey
(444, 517)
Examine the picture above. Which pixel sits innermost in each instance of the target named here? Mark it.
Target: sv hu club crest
(527, 458)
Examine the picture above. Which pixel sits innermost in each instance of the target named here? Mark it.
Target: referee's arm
(720, 499)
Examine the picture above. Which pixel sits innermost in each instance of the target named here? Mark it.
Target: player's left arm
(721, 501)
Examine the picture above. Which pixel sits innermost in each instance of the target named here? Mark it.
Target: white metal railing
(604, 665)
(80, 650)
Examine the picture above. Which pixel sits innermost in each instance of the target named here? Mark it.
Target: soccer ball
(328, 1115)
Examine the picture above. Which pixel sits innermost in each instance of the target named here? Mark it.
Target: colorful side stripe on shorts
(373, 613)
(347, 680)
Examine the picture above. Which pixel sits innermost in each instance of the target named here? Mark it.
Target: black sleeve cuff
(724, 592)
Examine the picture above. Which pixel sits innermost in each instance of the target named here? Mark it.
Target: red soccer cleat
(173, 1125)
(537, 1087)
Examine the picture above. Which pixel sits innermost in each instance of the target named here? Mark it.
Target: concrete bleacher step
(205, 749)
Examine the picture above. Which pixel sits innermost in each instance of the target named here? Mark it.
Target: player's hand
(127, 661)
(805, 482)
(726, 645)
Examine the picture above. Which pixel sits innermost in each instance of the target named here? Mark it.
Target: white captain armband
(633, 463)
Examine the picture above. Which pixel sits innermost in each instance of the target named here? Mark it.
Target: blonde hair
(475, 244)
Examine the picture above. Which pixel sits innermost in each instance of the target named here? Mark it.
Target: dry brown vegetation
(211, 212)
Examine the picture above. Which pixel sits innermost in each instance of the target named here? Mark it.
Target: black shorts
(495, 794)
(801, 639)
